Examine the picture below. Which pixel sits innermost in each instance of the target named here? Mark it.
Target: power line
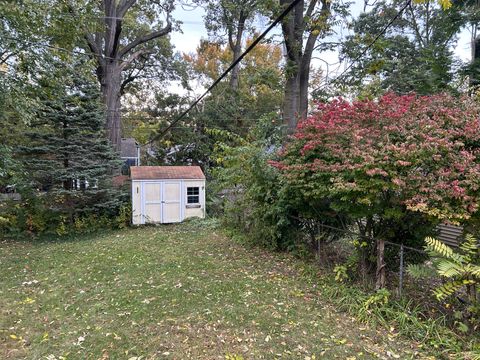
(230, 68)
(284, 13)
(239, 59)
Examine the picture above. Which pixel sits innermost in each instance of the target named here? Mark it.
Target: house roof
(120, 180)
(128, 147)
(166, 172)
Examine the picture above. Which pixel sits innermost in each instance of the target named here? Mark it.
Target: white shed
(167, 194)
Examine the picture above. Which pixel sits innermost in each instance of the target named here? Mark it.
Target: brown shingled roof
(166, 172)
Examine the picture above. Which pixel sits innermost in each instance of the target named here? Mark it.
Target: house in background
(167, 194)
(130, 152)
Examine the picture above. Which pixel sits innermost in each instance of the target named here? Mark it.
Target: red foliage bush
(416, 152)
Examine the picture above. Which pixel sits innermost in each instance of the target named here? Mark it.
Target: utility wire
(284, 13)
(225, 73)
(239, 59)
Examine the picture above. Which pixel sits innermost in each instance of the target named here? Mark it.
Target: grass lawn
(171, 292)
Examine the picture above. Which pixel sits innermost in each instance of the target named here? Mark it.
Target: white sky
(193, 30)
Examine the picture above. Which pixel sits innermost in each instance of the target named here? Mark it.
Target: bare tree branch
(143, 39)
(4, 58)
(311, 8)
(93, 46)
(123, 7)
(132, 58)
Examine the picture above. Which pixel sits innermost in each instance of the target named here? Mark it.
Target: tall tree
(127, 36)
(67, 154)
(470, 16)
(230, 19)
(259, 95)
(301, 28)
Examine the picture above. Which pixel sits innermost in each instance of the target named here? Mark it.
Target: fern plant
(460, 269)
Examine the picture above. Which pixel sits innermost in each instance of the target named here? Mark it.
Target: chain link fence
(398, 257)
(333, 245)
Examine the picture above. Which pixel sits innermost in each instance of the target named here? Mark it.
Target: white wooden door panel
(152, 202)
(172, 194)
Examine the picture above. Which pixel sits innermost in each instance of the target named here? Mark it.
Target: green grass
(173, 292)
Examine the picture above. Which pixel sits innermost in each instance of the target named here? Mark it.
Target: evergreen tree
(68, 155)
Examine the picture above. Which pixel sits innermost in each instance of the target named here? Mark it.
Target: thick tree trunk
(474, 78)
(111, 84)
(299, 56)
(237, 51)
(114, 57)
(292, 27)
(291, 102)
(235, 71)
(380, 274)
(296, 92)
(303, 86)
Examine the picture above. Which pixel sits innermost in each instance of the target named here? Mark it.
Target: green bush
(255, 198)
(460, 271)
(34, 215)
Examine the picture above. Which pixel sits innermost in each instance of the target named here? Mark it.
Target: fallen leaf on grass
(80, 340)
(28, 301)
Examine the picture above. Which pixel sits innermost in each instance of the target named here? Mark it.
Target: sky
(193, 30)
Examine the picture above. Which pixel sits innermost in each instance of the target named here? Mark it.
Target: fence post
(400, 282)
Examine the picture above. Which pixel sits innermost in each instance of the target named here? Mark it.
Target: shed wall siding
(136, 202)
(195, 212)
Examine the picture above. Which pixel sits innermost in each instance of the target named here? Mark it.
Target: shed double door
(162, 202)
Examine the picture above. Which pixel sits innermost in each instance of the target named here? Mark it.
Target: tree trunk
(291, 102)
(110, 85)
(295, 29)
(292, 28)
(380, 274)
(235, 70)
(474, 78)
(237, 50)
(303, 87)
(295, 105)
(114, 56)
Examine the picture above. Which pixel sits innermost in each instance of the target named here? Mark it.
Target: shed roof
(128, 147)
(166, 172)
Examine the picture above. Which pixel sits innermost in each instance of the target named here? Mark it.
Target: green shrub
(255, 198)
(460, 272)
(123, 219)
(399, 316)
